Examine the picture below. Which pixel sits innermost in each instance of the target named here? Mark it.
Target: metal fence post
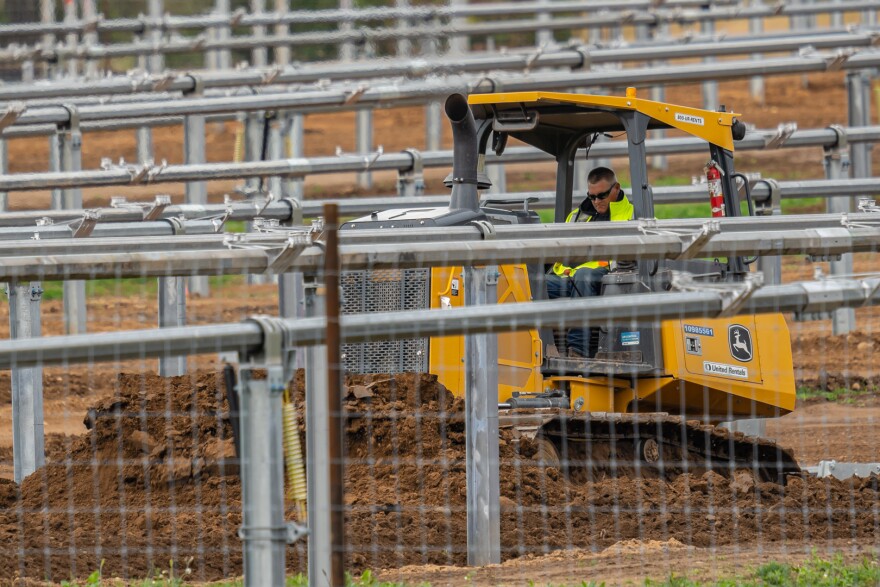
(224, 56)
(264, 532)
(317, 447)
(47, 16)
(196, 191)
(836, 162)
(90, 37)
(4, 169)
(70, 155)
(259, 55)
(156, 60)
(364, 140)
(771, 265)
(481, 426)
(172, 313)
(28, 443)
(543, 36)
(710, 88)
(859, 114)
(346, 49)
(296, 133)
(282, 52)
(72, 39)
(404, 47)
(756, 84)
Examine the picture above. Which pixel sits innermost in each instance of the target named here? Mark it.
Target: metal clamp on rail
(871, 288)
(296, 211)
(86, 225)
(534, 56)
(293, 247)
(355, 95)
(773, 204)
(733, 295)
(486, 228)
(586, 61)
(821, 295)
(868, 205)
(411, 181)
(275, 354)
(162, 81)
(154, 211)
(12, 112)
(832, 238)
(835, 62)
(783, 132)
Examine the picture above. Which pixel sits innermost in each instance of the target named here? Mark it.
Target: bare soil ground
(153, 479)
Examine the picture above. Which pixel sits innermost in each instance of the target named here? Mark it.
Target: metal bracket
(162, 82)
(36, 292)
(275, 354)
(296, 532)
(819, 295)
(154, 212)
(13, 111)
(411, 181)
(783, 132)
(492, 275)
(177, 225)
(219, 222)
(487, 229)
(835, 62)
(271, 75)
(198, 85)
(871, 287)
(87, 225)
(296, 211)
(354, 96)
(294, 246)
(773, 204)
(236, 16)
(692, 242)
(733, 295)
(586, 58)
(868, 205)
(534, 56)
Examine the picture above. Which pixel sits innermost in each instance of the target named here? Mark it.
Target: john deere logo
(740, 340)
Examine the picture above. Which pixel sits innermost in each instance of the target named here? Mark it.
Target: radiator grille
(385, 290)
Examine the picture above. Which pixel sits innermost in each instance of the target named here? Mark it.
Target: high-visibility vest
(620, 210)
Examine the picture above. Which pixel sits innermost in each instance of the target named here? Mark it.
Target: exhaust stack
(465, 154)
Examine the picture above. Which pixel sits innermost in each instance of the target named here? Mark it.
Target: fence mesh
(648, 440)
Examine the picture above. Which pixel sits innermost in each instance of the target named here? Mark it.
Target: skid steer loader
(648, 395)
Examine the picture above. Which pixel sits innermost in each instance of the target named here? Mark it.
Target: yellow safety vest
(620, 210)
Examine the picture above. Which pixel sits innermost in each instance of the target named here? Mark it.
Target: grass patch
(838, 395)
(814, 572)
(144, 287)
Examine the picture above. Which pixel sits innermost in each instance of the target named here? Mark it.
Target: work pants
(584, 283)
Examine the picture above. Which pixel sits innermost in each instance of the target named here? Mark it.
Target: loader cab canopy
(560, 124)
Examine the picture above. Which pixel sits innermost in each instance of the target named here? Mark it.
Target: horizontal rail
(244, 19)
(574, 57)
(532, 244)
(135, 174)
(247, 337)
(433, 89)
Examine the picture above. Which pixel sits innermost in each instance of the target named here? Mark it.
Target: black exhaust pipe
(464, 154)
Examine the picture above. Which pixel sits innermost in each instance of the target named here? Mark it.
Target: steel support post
(172, 313)
(433, 126)
(72, 39)
(275, 151)
(771, 265)
(836, 163)
(196, 191)
(458, 45)
(364, 140)
(710, 88)
(264, 532)
(346, 49)
(156, 60)
(254, 130)
(317, 447)
(291, 304)
(859, 104)
(404, 46)
(224, 56)
(28, 443)
(296, 133)
(481, 426)
(259, 55)
(756, 83)
(282, 52)
(70, 154)
(498, 176)
(90, 37)
(543, 36)
(4, 169)
(837, 17)
(47, 16)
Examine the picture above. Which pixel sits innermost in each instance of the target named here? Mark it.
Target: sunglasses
(602, 195)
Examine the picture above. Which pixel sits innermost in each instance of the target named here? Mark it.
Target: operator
(605, 201)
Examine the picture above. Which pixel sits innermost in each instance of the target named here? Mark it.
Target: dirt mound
(153, 481)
